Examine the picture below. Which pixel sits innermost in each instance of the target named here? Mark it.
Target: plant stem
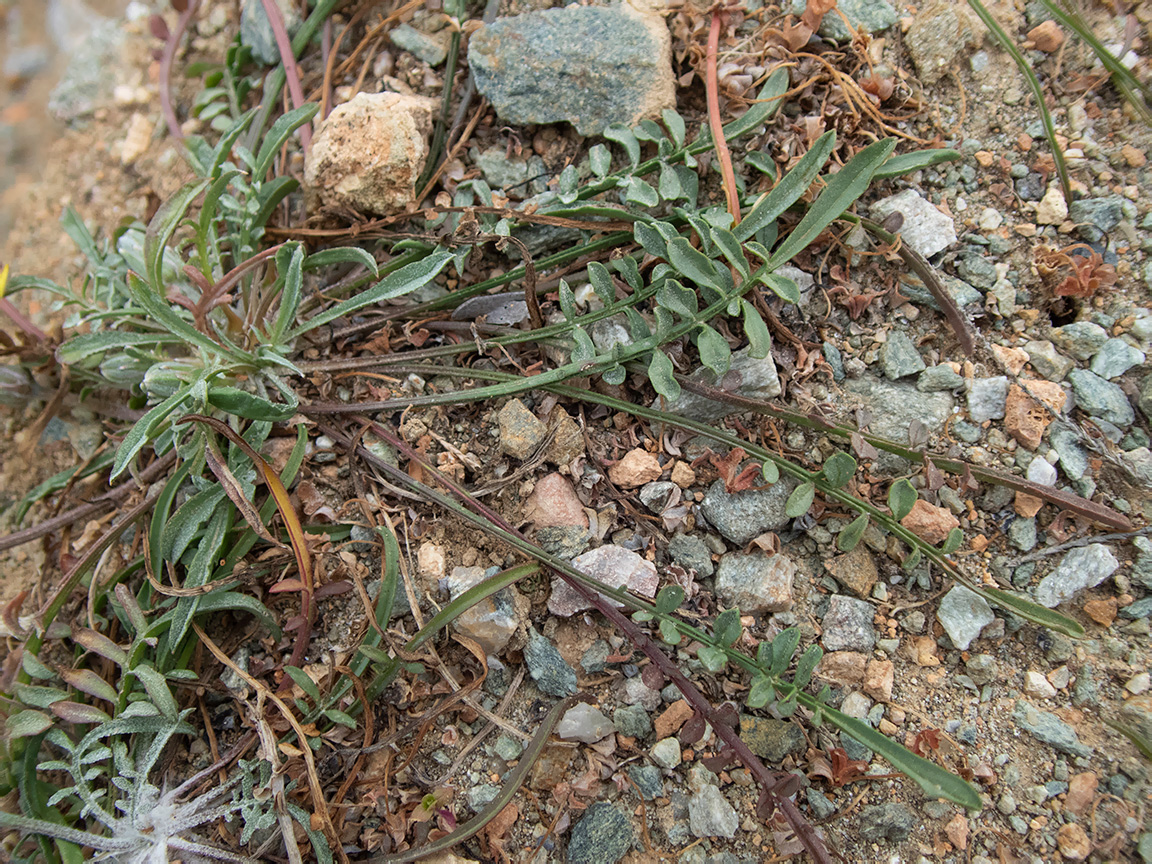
(723, 156)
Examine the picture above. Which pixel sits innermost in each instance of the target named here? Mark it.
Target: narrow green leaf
(159, 309)
(800, 500)
(727, 243)
(768, 102)
(953, 541)
(567, 301)
(341, 255)
(304, 682)
(157, 689)
(714, 350)
(1031, 611)
(615, 375)
(932, 779)
(232, 601)
(762, 162)
(161, 228)
(851, 535)
(338, 716)
(250, 406)
(403, 281)
(278, 133)
(788, 191)
(901, 498)
(85, 345)
(662, 376)
(35, 696)
(376, 654)
(692, 263)
(648, 130)
(841, 192)
(25, 724)
(623, 136)
(759, 340)
(79, 712)
(141, 433)
(839, 469)
(918, 160)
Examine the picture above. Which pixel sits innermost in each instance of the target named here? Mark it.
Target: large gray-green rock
(603, 836)
(742, 516)
(1101, 398)
(746, 376)
(894, 406)
(899, 357)
(871, 16)
(547, 668)
(590, 66)
(256, 32)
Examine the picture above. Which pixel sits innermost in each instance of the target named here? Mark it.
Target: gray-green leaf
(901, 498)
(800, 500)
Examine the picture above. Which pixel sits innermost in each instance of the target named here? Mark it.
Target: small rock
(822, 806)
(481, 796)
(982, 669)
(843, 667)
(567, 439)
(648, 781)
(1040, 471)
(987, 398)
(925, 649)
(1101, 398)
(930, 523)
(938, 33)
(756, 582)
(1073, 460)
(659, 495)
(1035, 684)
(871, 16)
(892, 822)
(879, 679)
(1103, 612)
(613, 565)
(553, 502)
(1012, 359)
(547, 668)
(520, 430)
(1073, 842)
(563, 541)
(1022, 534)
(622, 59)
(1114, 358)
(369, 151)
(899, 357)
(977, 270)
(584, 722)
(500, 171)
(963, 614)
(1052, 209)
(683, 475)
(635, 692)
(603, 836)
(1025, 419)
(939, 378)
(1047, 361)
(1030, 187)
(743, 516)
(691, 553)
(710, 814)
(1046, 36)
(957, 832)
(666, 753)
(632, 721)
(770, 739)
(1081, 793)
(431, 49)
(1081, 339)
(1080, 568)
(636, 468)
(1049, 729)
(855, 570)
(926, 230)
(1138, 684)
(137, 138)
(848, 625)
(746, 376)
(1094, 216)
(673, 717)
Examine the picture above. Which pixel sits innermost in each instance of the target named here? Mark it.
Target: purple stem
(284, 45)
(170, 118)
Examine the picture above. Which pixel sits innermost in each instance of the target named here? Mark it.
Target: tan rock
(930, 523)
(1027, 505)
(369, 151)
(554, 502)
(1081, 793)
(843, 667)
(957, 832)
(520, 430)
(567, 439)
(855, 570)
(925, 651)
(1052, 209)
(1025, 419)
(683, 475)
(137, 138)
(674, 716)
(878, 679)
(1013, 359)
(1046, 36)
(1073, 842)
(1134, 157)
(635, 469)
(1103, 612)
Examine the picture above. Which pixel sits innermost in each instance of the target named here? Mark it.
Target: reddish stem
(712, 88)
(170, 118)
(284, 46)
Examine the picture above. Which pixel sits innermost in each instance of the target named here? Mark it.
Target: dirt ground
(54, 165)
